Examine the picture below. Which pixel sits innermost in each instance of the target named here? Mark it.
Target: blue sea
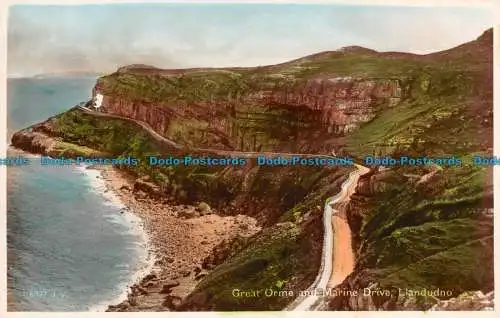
(69, 246)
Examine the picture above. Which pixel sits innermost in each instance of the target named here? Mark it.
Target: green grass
(267, 262)
(189, 88)
(429, 235)
(358, 65)
(470, 264)
(411, 235)
(426, 238)
(410, 244)
(430, 120)
(66, 149)
(190, 132)
(105, 135)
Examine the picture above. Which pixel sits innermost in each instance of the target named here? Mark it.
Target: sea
(72, 246)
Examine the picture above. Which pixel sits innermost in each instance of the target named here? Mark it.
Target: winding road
(337, 260)
(219, 152)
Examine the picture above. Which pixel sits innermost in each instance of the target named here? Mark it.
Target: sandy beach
(180, 238)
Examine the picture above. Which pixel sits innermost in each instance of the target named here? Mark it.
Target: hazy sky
(48, 39)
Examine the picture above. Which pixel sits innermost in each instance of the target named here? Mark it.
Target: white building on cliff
(98, 101)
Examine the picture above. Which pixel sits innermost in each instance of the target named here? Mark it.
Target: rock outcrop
(475, 300)
(339, 104)
(34, 142)
(407, 225)
(343, 103)
(397, 300)
(146, 185)
(156, 116)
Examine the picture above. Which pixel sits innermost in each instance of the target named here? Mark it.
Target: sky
(101, 38)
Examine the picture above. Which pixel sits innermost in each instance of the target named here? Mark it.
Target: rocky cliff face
(286, 202)
(342, 103)
(402, 260)
(240, 118)
(328, 94)
(414, 229)
(156, 116)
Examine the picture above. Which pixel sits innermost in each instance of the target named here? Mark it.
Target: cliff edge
(414, 229)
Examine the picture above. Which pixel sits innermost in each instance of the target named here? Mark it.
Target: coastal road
(218, 152)
(337, 260)
(150, 129)
(343, 255)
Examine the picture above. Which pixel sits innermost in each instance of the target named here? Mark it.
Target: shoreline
(179, 238)
(180, 241)
(137, 226)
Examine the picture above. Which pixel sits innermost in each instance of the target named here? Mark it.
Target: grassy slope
(438, 90)
(433, 235)
(409, 239)
(421, 237)
(289, 247)
(254, 127)
(283, 257)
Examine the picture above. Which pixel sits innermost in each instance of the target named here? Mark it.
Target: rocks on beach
(188, 212)
(168, 285)
(172, 302)
(146, 185)
(203, 208)
(182, 237)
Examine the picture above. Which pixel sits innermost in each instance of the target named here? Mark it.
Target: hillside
(414, 227)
